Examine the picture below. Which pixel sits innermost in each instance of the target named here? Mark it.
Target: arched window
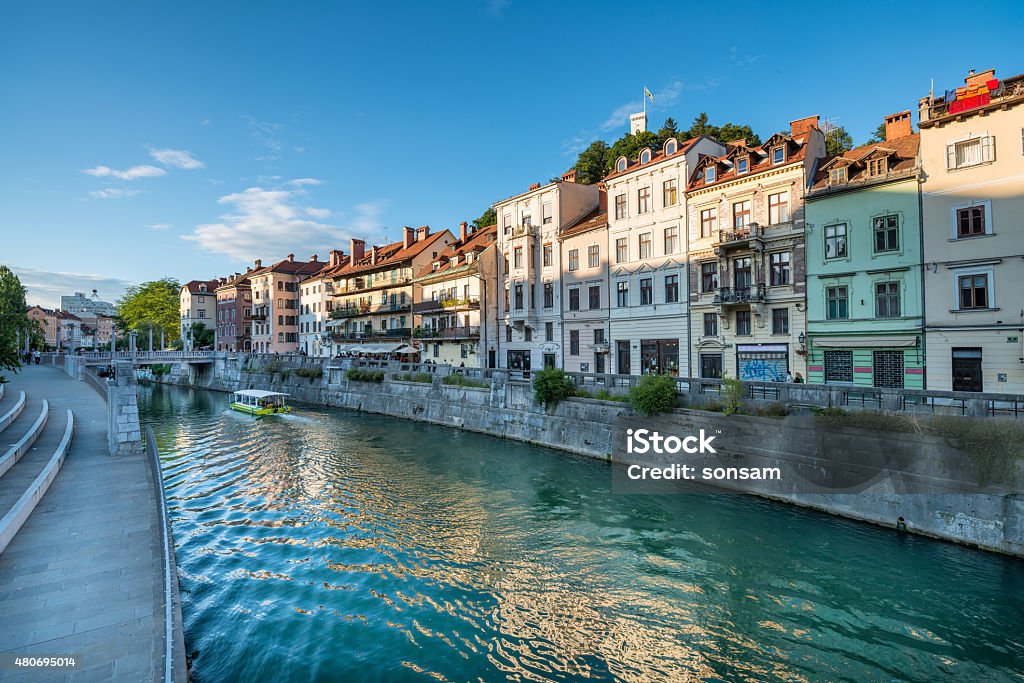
(645, 156)
(620, 165)
(671, 146)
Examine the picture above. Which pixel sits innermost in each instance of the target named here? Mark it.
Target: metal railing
(456, 332)
(741, 295)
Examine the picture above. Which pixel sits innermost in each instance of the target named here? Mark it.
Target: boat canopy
(258, 393)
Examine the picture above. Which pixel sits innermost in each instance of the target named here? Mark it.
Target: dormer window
(877, 167)
(470, 256)
(837, 176)
(645, 156)
(778, 155)
(620, 165)
(709, 174)
(671, 146)
(742, 166)
(435, 266)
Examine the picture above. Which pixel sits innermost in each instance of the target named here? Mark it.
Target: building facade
(530, 269)
(747, 262)
(585, 303)
(373, 293)
(455, 301)
(275, 303)
(316, 301)
(84, 306)
(47, 323)
(197, 303)
(865, 316)
(234, 313)
(648, 319)
(972, 159)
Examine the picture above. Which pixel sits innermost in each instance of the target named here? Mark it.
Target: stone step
(10, 400)
(19, 439)
(24, 483)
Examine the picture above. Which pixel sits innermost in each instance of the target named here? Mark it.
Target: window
(835, 241)
(527, 220)
(643, 200)
(599, 335)
(574, 259)
(971, 152)
(970, 221)
(620, 165)
(646, 291)
(839, 367)
(742, 166)
(622, 293)
(671, 240)
(620, 206)
(708, 222)
(837, 303)
(741, 214)
(545, 212)
(668, 193)
(778, 155)
(887, 299)
(886, 233)
(527, 334)
(645, 156)
(709, 174)
(709, 276)
(710, 324)
(742, 272)
(778, 208)
(671, 146)
(517, 257)
(508, 333)
(671, 289)
(574, 342)
(973, 290)
(621, 250)
(594, 296)
(594, 255)
(742, 323)
(549, 331)
(878, 167)
(546, 255)
(645, 245)
(574, 298)
(519, 296)
(780, 321)
(549, 295)
(780, 268)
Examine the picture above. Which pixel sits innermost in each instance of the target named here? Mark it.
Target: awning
(863, 342)
(335, 323)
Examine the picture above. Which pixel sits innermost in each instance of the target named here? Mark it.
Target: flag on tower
(648, 94)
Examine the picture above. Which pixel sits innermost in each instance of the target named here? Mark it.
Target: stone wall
(124, 435)
(896, 480)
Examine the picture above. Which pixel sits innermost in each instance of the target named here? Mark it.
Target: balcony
(349, 311)
(727, 296)
(392, 308)
(457, 304)
(258, 316)
(748, 237)
(393, 333)
(1007, 92)
(457, 332)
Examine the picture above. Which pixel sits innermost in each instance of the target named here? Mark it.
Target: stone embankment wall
(896, 480)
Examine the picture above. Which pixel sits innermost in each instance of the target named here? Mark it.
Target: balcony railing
(739, 236)
(457, 332)
(742, 295)
(464, 303)
(392, 333)
(1007, 90)
(349, 311)
(259, 317)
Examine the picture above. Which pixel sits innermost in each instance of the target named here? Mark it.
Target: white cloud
(159, 227)
(133, 173)
(305, 181)
(46, 287)
(177, 158)
(266, 133)
(319, 214)
(665, 97)
(113, 193)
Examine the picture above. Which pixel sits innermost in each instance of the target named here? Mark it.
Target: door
(622, 357)
(549, 360)
(492, 359)
(967, 370)
(887, 369)
(599, 363)
(711, 365)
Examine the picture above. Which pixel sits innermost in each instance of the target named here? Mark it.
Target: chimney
(463, 231)
(980, 79)
(535, 186)
(422, 233)
(897, 125)
(569, 176)
(259, 263)
(373, 254)
(336, 256)
(291, 258)
(801, 126)
(408, 237)
(248, 269)
(313, 258)
(357, 248)
(602, 197)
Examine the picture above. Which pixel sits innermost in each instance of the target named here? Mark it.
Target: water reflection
(327, 545)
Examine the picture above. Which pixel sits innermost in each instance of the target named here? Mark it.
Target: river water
(335, 546)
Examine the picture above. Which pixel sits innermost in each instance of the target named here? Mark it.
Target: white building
(83, 306)
(316, 301)
(584, 247)
(197, 303)
(648, 257)
(530, 268)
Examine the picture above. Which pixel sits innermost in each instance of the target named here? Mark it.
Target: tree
(36, 335)
(838, 141)
(729, 132)
(13, 319)
(489, 217)
(878, 135)
(202, 336)
(629, 146)
(151, 304)
(592, 162)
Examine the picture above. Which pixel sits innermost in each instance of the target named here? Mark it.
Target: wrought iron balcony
(456, 332)
(453, 304)
(391, 333)
(739, 238)
(349, 311)
(742, 295)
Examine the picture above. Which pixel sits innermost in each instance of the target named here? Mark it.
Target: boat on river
(259, 402)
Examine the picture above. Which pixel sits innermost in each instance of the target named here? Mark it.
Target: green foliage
(878, 135)
(653, 394)
(151, 304)
(489, 217)
(771, 410)
(996, 447)
(160, 370)
(310, 373)
(36, 334)
(13, 319)
(285, 373)
(592, 162)
(202, 335)
(272, 366)
(551, 385)
(629, 146)
(424, 377)
(838, 141)
(729, 132)
(604, 395)
(462, 381)
(358, 375)
(733, 393)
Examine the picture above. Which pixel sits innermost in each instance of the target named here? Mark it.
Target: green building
(863, 260)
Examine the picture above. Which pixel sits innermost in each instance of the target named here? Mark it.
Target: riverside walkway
(83, 577)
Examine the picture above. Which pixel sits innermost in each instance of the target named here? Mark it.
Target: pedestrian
(36, 356)
(789, 377)
(798, 379)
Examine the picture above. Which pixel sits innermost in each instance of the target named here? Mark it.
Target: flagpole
(643, 96)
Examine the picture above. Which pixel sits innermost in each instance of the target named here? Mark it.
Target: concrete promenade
(83, 576)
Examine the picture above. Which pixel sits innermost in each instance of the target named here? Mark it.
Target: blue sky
(188, 138)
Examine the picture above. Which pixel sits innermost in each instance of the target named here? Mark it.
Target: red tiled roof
(391, 254)
(329, 271)
(478, 240)
(656, 157)
(902, 159)
(760, 161)
(193, 286)
(594, 220)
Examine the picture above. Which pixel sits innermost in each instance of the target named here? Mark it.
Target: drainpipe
(921, 267)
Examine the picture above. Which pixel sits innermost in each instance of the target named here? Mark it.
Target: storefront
(519, 361)
(762, 362)
(659, 356)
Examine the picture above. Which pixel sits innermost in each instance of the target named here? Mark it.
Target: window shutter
(988, 148)
(950, 156)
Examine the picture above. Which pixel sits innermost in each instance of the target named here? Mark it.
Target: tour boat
(258, 402)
